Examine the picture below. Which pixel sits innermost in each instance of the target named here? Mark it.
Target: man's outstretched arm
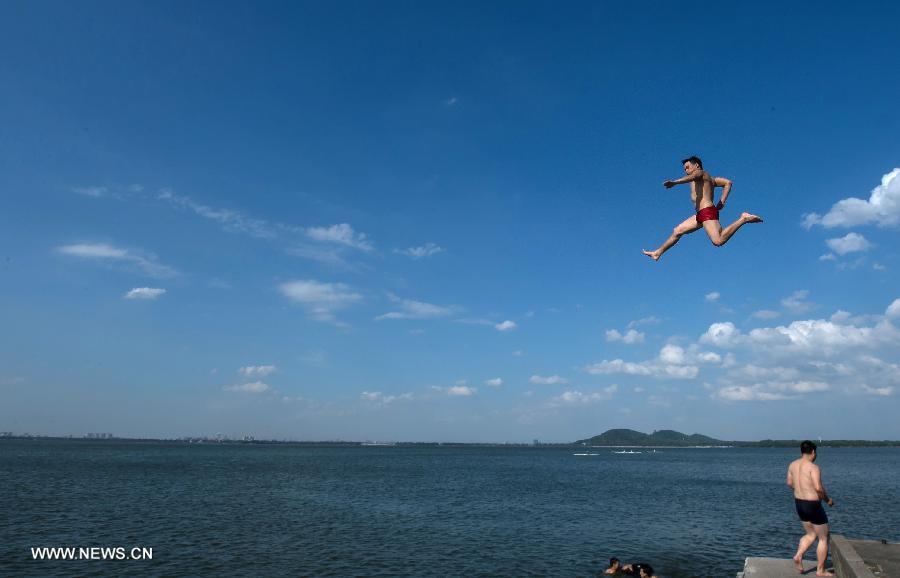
(685, 179)
(726, 190)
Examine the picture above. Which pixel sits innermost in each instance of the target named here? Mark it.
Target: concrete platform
(865, 558)
(774, 568)
(851, 559)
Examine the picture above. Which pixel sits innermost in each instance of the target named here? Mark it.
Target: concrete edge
(847, 562)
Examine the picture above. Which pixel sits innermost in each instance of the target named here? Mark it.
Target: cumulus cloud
(721, 334)
(712, 297)
(551, 380)
(849, 243)
(321, 300)
(672, 362)
(575, 397)
(893, 309)
(796, 302)
(341, 234)
(770, 391)
(421, 252)
(105, 252)
(506, 326)
(495, 382)
(253, 387)
(630, 337)
(257, 370)
(409, 309)
(882, 208)
(146, 293)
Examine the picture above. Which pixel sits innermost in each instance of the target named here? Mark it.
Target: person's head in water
(646, 570)
(807, 448)
(691, 164)
(614, 566)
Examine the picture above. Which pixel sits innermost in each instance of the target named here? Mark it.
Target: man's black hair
(646, 568)
(693, 159)
(807, 447)
(612, 561)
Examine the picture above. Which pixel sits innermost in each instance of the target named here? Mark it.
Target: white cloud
(506, 326)
(381, 399)
(651, 320)
(102, 251)
(321, 300)
(257, 370)
(456, 390)
(422, 252)
(95, 192)
(849, 243)
(575, 397)
(672, 354)
(653, 368)
(495, 382)
(765, 314)
(148, 293)
(254, 387)
(712, 297)
(770, 391)
(518, 353)
(551, 380)
(630, 337)
(410, 309)
(893, 309)
(796, 302)
(882, 208)
(721, 334)
(231, 220)
(342, 234)
(828, 257)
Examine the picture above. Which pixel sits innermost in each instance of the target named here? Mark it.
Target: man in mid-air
(805, 478)
(703, 185)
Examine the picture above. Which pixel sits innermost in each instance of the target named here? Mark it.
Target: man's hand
(669, 184)
(830, 502)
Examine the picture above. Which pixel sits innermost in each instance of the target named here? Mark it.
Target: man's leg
(805, 542)
(822, 549)
(689, 225)
(720, 236)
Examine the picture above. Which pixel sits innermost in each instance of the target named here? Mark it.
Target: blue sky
(423, 221)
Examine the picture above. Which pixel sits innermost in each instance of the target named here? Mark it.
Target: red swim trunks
(707, 214)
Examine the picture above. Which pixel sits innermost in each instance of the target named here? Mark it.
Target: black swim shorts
(811, 511)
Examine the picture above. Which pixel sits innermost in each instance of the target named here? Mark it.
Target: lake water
(293, 510)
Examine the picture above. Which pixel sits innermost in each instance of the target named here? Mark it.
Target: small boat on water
(627, 452)
(584, 454)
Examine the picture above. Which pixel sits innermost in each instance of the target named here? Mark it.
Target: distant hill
(666, 437)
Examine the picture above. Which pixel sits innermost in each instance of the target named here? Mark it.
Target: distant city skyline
(423, 222)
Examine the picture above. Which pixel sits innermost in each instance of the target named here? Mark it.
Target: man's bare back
(803, 474)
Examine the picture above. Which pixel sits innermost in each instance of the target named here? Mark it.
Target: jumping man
(703, 185)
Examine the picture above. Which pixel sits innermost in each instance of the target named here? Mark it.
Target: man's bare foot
(798, 564)
(751, 218)
(823, 573)
(651, 254)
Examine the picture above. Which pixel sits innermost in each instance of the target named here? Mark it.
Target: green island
(671, 438)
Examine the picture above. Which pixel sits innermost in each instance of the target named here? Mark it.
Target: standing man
(806, 480)
(703, 185)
